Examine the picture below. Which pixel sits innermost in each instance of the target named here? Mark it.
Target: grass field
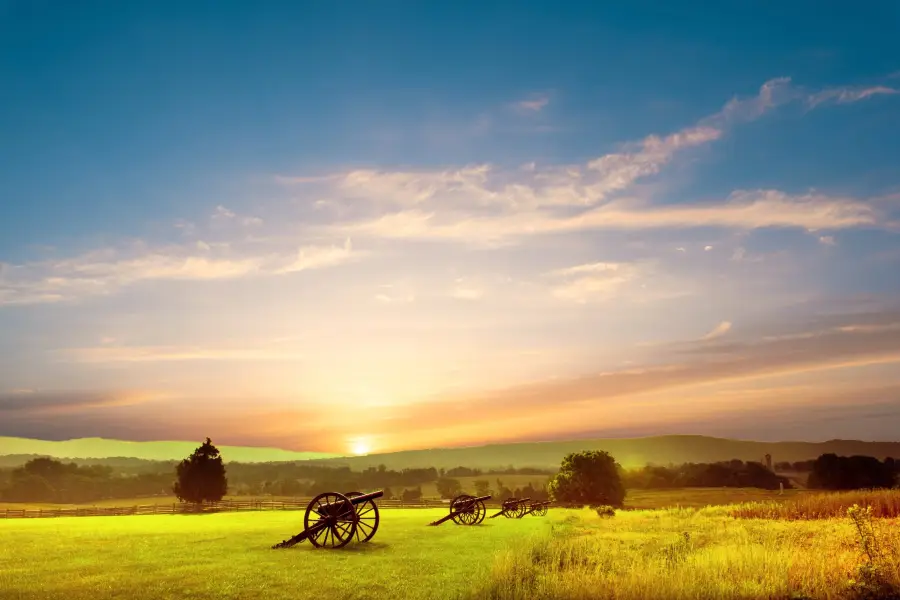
(637, 499)
(228, 555)
(701, 497)
(570, 554)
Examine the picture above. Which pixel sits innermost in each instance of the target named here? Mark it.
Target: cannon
(333, 519)
(538, 509)
(465, 510)
(511, 507)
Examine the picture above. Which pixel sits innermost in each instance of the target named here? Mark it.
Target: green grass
(229, 555)
(638, 499)
(568, 555)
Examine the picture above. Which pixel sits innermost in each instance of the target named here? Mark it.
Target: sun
(360, 446)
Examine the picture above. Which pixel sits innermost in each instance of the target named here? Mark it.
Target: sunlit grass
(229, 555)
(700, 497)
(884, 503)
(684, 553)
(570, 554)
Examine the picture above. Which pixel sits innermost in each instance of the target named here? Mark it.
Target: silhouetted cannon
(333, 519)
(466, 510)
(538, 509)
(512, 507)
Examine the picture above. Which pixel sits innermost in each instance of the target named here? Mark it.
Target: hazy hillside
(630, 452)
(103, 448)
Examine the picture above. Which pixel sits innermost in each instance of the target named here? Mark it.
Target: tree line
(44, 479)
(732, 473)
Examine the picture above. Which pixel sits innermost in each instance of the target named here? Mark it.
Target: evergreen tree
(201, 476)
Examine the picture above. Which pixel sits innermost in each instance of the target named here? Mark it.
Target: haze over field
(297, 229)
(630, 453)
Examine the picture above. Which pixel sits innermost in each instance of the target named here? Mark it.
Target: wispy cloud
(592, 282)
(718, 331)
(105, 271)
(848, 95)
(463, 292)
(138, 354)
(742, 210)
(484, 204)
(532, 104)
(703, 362)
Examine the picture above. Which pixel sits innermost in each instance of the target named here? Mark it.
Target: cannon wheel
(481, 509)
(464, 516)
(543, 510)
(367, 518)
(509, 508)
(338, 512)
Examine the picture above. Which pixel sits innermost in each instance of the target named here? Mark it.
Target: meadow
(711, 552)
(636, 499)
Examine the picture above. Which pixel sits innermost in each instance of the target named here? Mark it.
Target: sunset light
(446, 246)
(360, 446)
(560, 299)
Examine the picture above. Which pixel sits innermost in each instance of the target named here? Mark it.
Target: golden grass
(701, 497)
(685, 553)
(884, 503)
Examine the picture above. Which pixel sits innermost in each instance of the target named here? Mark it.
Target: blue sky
(274, 209)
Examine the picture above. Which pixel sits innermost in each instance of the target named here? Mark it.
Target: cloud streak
(484, 204)
(849, 95)
(106, 271)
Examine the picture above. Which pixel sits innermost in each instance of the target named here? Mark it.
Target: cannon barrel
(480, 498)
(354, 500)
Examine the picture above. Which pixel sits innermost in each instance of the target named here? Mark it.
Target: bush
(605, 511)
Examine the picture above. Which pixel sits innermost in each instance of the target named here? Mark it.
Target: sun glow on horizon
(360, 446)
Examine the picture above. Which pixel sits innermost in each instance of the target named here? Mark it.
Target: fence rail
(179, 508)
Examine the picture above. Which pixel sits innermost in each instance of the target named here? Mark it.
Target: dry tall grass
(688, 553)
(884, 504)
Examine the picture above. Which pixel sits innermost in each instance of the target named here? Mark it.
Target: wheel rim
(482, 511)
(463, 516)
(367, 518)
(338, 516)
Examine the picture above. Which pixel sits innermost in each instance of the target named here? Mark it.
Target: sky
(368, 227)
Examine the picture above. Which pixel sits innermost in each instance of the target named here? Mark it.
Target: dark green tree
(588, 478)
(201, 476)
(448, 487)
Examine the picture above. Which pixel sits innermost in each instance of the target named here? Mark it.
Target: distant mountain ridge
(629, 452)
(85, 448)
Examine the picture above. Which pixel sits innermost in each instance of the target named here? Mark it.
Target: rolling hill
(630, 452)
(105, 448)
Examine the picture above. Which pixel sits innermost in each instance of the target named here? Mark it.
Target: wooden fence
(179, 508)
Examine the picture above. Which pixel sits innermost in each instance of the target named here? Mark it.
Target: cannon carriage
(465, 510)
(332, 520)
(511, 508)
(536, 509)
